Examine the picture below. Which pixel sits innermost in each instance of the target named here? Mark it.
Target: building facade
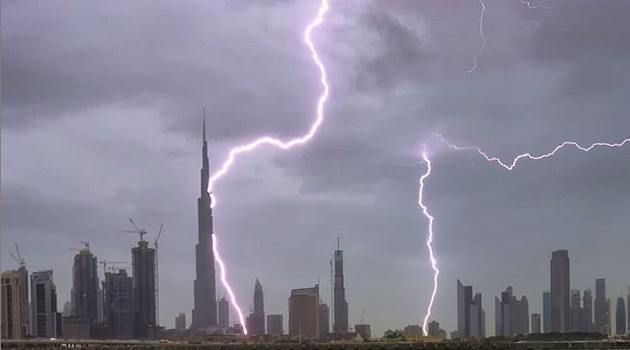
(275, 325)
(118, 308)
(143, 262)
(471, 317)
(324, 321)
(44, 305)
(304, 313)
(620, 317)
(340, 305)
(546, 311)
(511, 314)
(536, 323)
(84, 293)
(602, 307)
(224, 313)
(180, 322)
(204, 314)
(560, 292)
(11, 306)
(256, 320)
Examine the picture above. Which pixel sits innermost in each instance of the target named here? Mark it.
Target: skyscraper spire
(204, 124)
(205, 311)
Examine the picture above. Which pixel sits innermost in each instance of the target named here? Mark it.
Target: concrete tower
(560, 292)
(143, 259)
(85, 286)
(204, 314)
(340, 317)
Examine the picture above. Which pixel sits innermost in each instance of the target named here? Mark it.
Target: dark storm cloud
(101, 122)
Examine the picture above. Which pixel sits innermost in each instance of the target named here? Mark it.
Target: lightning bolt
(512, 164)
(483, 38)
(425, 212)
(534, 7)
(410, 165)
(268, 140)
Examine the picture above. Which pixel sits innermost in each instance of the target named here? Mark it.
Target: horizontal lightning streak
(512, 164)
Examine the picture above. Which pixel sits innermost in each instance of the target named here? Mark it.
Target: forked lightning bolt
(512, 164)
(268, 140)
(425, 212)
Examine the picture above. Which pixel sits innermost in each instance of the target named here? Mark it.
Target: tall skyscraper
(324, 321)
(256, 320)
(43, 305)
(602, 307)
(11, 305)
(471, 318)
(274, 325)
(143, 260)
(85, 286)
(511, 314)
(620, 317)
(118, 309)
(340, 319)
(560, 292)
(204, 314)
(224, 313)
(304, 313)
(628, 306)
(535, 323)
(587, 305)
(546, 311)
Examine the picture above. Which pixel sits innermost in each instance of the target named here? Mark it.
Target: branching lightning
(512, 164)
(534, 7)
(410, 165)
(268, 140)
(425, 211)
(483, 38)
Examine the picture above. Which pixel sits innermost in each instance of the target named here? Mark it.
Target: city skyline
(89, 143)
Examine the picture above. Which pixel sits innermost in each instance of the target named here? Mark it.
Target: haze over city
(102, 116)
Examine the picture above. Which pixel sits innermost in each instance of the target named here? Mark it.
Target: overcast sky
(101, 121)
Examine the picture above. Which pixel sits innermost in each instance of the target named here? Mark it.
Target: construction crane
(362, 316)
(86, 245)
(104, 262)
(19, 258)
(157, 279)
(138, 230)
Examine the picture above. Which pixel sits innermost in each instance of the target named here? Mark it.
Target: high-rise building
(324, 321)
(118, 308)
(511, 314)
(224, 313)
(434, 328)
(471, 318)
(44, 305)
(464, 300)
(340, 317)
(546, 311)
(180, 322)
(560, 292)
(304, 313)
(578, 319)
(85, 287)
(274, 325)
(587, 305)
(602, 307)
(11, 306)
(204, 314)
(143, 260)
(535, 323)
(628, 306)
(477, 318)
(620, 317)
